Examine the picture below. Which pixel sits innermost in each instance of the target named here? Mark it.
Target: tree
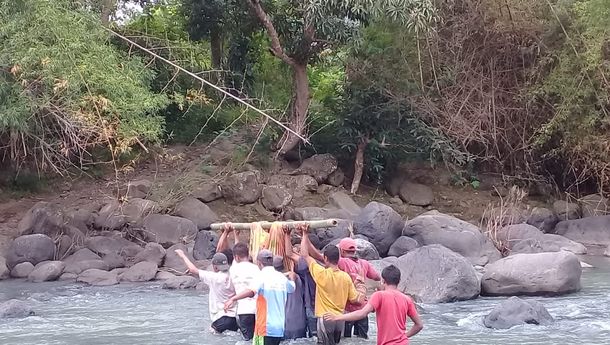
(300, 30)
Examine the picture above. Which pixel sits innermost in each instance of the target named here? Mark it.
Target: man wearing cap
(296, 319)
(221, 290)
(358, 269)
(272, 288)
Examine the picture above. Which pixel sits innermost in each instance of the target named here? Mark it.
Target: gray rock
(110, 217)
(43, 218)
(342, 201)
(202, 287)
(593, 231)
(435, 274)
(81, 218)
(207, 192)
(141, 272)
(503, 216)
(97, 277)
(15, 309)
(566, 210)
(136, 209)
(22, 270)
(81, 266)
(525, 238)
(139, 189)
(168, 230)
(197, 212)
(336, 178)
(318, 166)
(119, 270)
(416, 194)
(462, 237)
(105, 245)
(402, 246)
(298, 186)
(179, 283)
(68, 277)
(81, 255)
(380, 224)
(275, 198)
(163, 275)
(533, 274)
(393, 185)
(594, 205)
(64, 247)
(48, 271)
(326, 236)
(543, 218)
(607, 251)
(31, 248)
(364, 249)
(173, 262)
(153, 252)
(5, 273)
(205, 245)
(316, 213)
(516, 311)
(114, 260)
(242, 188)
(379, 265)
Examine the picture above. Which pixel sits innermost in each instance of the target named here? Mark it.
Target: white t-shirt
(243, 274)
(221, 289)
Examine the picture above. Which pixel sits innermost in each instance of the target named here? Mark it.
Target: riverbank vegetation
(517, 88)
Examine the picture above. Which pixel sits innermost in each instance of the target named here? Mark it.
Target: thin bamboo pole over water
(313, 224)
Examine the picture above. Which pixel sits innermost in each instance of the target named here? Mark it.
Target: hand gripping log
(313, 224)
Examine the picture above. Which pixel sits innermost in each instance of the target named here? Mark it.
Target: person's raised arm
(353, 316)
(192, 268)
(288, 245)
(223, 241)
(305, 244)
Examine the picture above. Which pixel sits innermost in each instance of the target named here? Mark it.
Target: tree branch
(276, 46)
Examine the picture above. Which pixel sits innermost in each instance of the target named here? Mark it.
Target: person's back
(243, 275)
(392, 308)
(334, 288)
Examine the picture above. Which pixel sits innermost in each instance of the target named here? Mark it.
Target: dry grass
(507, 211)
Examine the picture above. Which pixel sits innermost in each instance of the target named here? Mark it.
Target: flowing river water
(69, 314)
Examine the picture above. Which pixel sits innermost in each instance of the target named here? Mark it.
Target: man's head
(278, 263)
(220, 263)
(240, 252)
(331, 255)
(265, 258)
(347, 246)
(391, 275)
(229, 254)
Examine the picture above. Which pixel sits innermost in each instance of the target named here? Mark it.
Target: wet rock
(202, 287)
(543, 218)
(173, 263)
(591, 231)
(197, 212)
(336, 178)
(435, 274)
(318, 166)
(68, 277)
(81, 255)
(533, 274)
(113, 260)
(242, 188)
(43, 218)
(141, 272)
(110, 217)
(105, 245)
(48, 271)
(205, 245)
(168, 230)
(81, 266)
(22, 270)
(380, 224)
(594, 205)
(153, 252)
(162, 275)
(516, 311)
(139, 189)
(5, 273)
(462, 237)
(207, 193)
(416, 194)
(97, 277)
(566, 210)
(13, 309)
(179, 283)
(275, 198)
(402, 246)
(298, 185)
(30, 248)
(342, 201)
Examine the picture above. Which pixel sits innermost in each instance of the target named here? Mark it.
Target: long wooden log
(313, 224)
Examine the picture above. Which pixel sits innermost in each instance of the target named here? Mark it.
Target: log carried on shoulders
(313, 224)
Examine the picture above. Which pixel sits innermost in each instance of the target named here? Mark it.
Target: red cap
(347, 244)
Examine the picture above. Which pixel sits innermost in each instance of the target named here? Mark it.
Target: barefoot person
(221, 290)
(392, 308)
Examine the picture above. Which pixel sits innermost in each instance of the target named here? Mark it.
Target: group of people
(305, 293)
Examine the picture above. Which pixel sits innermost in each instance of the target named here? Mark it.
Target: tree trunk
(359, 164)
(108, 7)
(299, 108)
(216, 48)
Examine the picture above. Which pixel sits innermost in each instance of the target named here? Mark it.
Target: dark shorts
(360, 327)
(329, 332)
(246, 325)
(272, 341)
(225, 323)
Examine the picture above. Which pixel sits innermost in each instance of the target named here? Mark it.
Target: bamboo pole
(313, 224)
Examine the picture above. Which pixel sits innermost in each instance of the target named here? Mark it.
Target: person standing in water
(296, 319)
(392, 308)
(221, 290)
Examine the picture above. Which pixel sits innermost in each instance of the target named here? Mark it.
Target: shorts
(264, 340)
(225, 323)
(361, 328)
(246, 325)
(329, 332)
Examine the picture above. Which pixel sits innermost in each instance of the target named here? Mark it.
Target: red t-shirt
(357, 268)
(392, 308)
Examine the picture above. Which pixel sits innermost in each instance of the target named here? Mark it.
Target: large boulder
(47, 271)
(380, 224)
(327, 235)
(68, 277)
(138, 189)
(364, 249)
(168, 230)
(525, 238)
(110, 217)
(566, 210)
(205, 245)
(336, 178)
(316, 213)
(298, 185)
(153, 252)
(242, 188)
(533, 274)
(43, 218)
(15, 309)
(22, 270)
(342, 201)
(30, 248)
(594, 205)
(435, 274)
(83, 254)
(106, 245)
(163, 275)
(97, 277)
(416, 194)
(81, 266)
(197, 212)
(543, 218)
(460, 236)
(318, 166)
(516, 311)
(207, 192)
(275, 198)
(402, 246)
(179, 283)
(136, 209)
(5, 273)
(173, 263)
(591, 231)
(114, 260)
(141, 272)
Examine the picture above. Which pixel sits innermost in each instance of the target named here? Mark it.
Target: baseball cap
(265, 257)
(220, 261)
(278, 263)
(347, 244)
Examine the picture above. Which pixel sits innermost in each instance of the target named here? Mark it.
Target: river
(125, 314)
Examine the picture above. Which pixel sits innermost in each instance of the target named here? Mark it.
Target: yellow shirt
(334, 288)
